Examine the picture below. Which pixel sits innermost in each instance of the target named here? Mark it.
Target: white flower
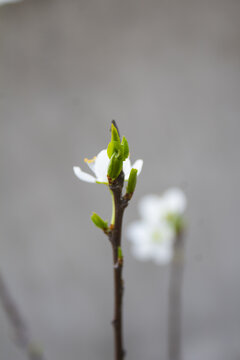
(154, 208)
(153, 236)
(99, 166)
(151, 241)
(3, 2)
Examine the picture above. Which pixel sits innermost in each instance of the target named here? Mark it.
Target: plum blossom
(151, 241)
(99, 166)
(153, 236)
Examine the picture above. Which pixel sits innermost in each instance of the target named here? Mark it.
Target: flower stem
(113, 209)
(23, 337)
(119, 205)
(175, 300)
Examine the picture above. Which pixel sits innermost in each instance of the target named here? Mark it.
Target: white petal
(162, 251)
(175, 200)
(145, 244)
(138, 165)
(126, 168)
(137, 232)
(91, 163)
(149, 208)
(101, 166)
(2, 2)
(82, 175)
(166, 233)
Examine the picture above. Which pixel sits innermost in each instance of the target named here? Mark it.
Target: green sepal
(132, 181)
(99, 222)
(125, 148)
(115, 166)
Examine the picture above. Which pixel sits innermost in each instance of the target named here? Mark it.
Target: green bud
(114, 145)
(115, 166)
(115, 136)
(120, 255)
(125, 148)
(99, 222)
(132, 181)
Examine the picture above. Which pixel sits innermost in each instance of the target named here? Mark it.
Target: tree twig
(23, 338)
(120, 204)
(175, 299)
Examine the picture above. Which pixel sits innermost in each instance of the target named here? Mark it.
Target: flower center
(156, 237)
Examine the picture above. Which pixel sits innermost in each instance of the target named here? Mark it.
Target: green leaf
(115, 144)
(115, 136)
(114, 147)
(115, 166)
(99, 222)
(125, 148)
(132, 181)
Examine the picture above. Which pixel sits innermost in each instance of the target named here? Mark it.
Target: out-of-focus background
(169, 73)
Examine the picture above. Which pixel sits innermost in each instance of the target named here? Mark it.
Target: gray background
(168, 72)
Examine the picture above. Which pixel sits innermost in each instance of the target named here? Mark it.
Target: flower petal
(91, 163)
(136, 232)
(149, 208)
(175, 200)
(138, 165)
(127, 168)
(101, 166)
(161, 234)
(82, 175)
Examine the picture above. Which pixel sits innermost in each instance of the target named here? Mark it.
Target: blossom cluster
(109, 165)
(99, 166)
(152, 237)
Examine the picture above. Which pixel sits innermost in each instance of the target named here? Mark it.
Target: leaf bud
(132, 181)
(99, 222)
(125, 148)
(115, 166)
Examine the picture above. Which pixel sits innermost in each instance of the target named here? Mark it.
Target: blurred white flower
(153, 236)
(99, 166)
(3, 2)
(154, 208)
(151, 241)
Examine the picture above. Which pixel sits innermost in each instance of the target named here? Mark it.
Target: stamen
(89, 161)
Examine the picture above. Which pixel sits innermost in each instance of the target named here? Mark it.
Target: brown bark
(115, 239)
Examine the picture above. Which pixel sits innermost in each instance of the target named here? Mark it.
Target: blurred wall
(168, 72)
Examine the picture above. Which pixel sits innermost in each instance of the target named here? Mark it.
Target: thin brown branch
(175, 300)
(22, 335)
(115, 239)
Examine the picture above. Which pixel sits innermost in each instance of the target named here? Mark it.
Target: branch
(175, 300)
(120, 204)
(23, 337)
